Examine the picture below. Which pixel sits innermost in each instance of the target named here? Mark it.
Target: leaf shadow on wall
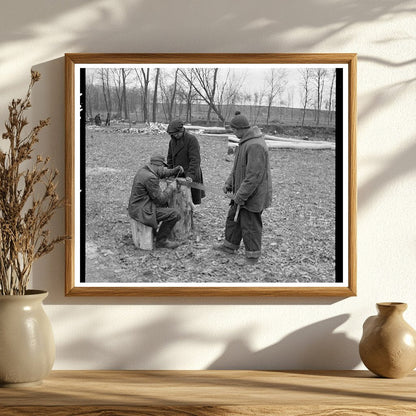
(140, 346)
(316, 346)
(150, 346)
(139, 26)
(403, 163)
(395, 168)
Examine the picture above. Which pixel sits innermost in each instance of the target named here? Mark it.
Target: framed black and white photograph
(210, 174)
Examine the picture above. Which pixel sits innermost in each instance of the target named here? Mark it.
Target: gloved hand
(227, 188)
(179, 169)
(188, 179)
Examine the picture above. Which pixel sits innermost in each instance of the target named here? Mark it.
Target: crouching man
(148, 203)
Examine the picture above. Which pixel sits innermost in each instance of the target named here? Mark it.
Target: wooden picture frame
(343, 195)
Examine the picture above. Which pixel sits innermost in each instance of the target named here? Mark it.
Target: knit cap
(239, 121)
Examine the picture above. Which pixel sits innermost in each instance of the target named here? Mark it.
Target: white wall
(195, 333)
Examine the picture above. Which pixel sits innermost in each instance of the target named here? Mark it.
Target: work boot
(224, 249)
(252, 260)
(167, 244)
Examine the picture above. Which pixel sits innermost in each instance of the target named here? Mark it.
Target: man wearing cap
(148, 203)
(184, 151)
(251, 188)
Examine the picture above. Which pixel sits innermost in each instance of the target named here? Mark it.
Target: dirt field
(299, 228)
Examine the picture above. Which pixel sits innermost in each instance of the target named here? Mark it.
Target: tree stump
(142, 235)
(182, 201)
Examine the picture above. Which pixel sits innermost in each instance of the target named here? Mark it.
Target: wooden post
(182, 201)
(142, 235)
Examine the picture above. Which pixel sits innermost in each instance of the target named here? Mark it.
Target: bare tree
(89, 92)
(331, 95)
(275, 81)
(104, 77)
(154, 110)
(173, 96)
(144, 78)
(258, 102)
(290, 102)
(229, 93)
(204, 82)
(189, 94)
(134, 100)
(319, 76)
(306, 76)
(124, 74)
(118, 88)
(168, 87)
(219, 91)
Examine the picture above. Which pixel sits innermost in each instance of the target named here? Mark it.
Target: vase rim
(392, 305)
(42, 294)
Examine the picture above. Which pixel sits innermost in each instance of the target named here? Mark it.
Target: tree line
(153, 94)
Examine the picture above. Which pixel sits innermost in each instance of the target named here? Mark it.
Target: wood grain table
(202, 393)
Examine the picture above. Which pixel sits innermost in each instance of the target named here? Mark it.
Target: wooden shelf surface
(203, 393)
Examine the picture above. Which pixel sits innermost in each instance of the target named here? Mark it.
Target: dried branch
(24, 217)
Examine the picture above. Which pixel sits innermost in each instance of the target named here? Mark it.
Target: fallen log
(268, 138)
(208, 129)
(287, 139)
(298, 144)
(312, 146)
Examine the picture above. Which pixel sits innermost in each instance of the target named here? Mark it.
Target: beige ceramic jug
(388, 345)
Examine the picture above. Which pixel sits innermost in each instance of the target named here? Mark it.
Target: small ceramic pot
(388, 345)
(27, 346)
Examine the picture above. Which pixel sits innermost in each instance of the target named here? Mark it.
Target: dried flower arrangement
(28, 200)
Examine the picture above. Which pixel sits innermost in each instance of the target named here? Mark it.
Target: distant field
(298, 239)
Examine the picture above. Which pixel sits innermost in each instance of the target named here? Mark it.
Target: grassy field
(298, 233)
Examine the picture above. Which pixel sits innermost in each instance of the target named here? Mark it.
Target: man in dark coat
(148, 203)
(250, 187)
(184, 151)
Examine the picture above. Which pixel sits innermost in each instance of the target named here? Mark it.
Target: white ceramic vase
(27, 346)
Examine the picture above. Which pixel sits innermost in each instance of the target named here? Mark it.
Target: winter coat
(185, 152)
(146, 194)
(250, 178)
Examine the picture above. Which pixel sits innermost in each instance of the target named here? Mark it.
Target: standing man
(250, 187)
(184, 151)
(148, 203)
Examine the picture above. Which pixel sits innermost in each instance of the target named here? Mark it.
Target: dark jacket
(185, 152)
(146, 194)
(250, 178)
